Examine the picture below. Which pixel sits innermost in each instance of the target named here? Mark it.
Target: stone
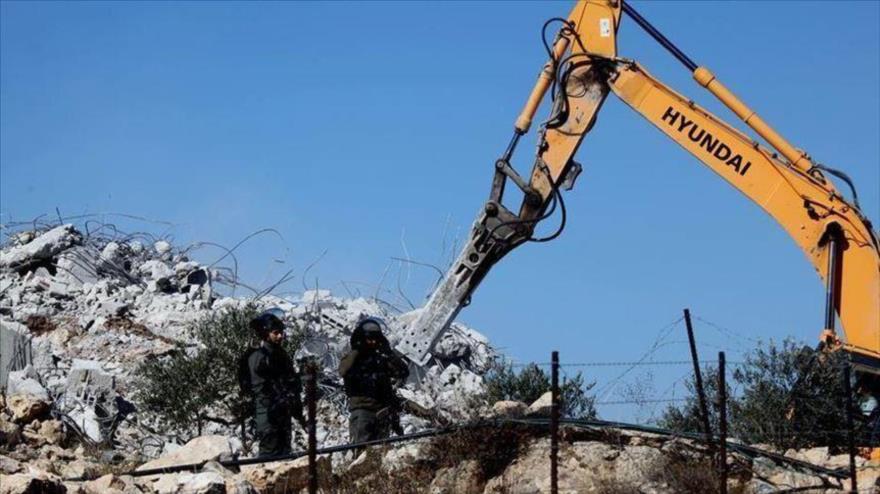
(53, 452)
(52, 431)
(108, 484)
(8, 465)
(10, 433)
(198, 450)
(31, 437)
(87, 378)
(202, 483)
(542, 406)
(189, 483)
(74, 487)
(22, 238)
(79, 469)
(509, 409)
(87, 421)
(216, 467)
(239, 486)
(451, 347)
(463, 478)
(402, 456)
(113, 308)
(31, 483)
(816, 456)
(41, 248)
(166, 484)
(158, 271)
(758, 486)
(583, 467)
(26, 408)
(60, 290)
(287, 476)
(162, 247)
(75, 268)
(111, 252)
(24, 382)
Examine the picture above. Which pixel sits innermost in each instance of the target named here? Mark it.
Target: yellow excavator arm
(582, 69)
(796, 193)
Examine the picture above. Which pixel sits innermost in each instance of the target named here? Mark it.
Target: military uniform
(276, 389)
(368, 375)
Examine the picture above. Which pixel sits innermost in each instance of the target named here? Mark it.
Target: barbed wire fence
(710, 442)
(727, 453)
(99, 232)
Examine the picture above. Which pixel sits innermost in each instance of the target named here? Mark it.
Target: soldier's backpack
(245, 385)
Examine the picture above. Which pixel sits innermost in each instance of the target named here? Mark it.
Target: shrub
(790, 397)
(527, 385)
(687, 417)
(193, 386)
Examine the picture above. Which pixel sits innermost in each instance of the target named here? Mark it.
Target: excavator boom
(583, 68)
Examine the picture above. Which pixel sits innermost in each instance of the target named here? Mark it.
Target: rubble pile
(80, 312)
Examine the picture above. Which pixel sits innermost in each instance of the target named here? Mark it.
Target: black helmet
(372, 326)
(267, 321)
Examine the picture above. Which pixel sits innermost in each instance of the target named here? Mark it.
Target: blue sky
(369, 130)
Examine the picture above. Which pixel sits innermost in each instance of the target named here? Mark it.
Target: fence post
(722, 425)
(311, 398)
(698, 378)
(554, 422)
(847, 387)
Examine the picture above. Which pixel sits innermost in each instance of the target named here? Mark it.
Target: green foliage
(792, 397)
(527, 385)
(789, 396)
(192, 386)
(167, 387)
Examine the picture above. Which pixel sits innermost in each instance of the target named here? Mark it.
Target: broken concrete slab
(41, 248)
(198, 450)
(26, 382)
(542, 406)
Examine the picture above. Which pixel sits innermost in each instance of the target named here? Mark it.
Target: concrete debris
(84, 311)
(542, 406)
(27, 408)
(41, 248)
(162, 247)
(30, 483)
(288, 476)
(26, 382)
(191, 483)
(459, 478)
(198, 450)
(109, 484)
(75, 267)
(509, 409)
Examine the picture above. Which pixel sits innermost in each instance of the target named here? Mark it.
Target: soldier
(273, 382)
(368, 371)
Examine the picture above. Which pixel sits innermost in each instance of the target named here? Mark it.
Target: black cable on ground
(742, 449)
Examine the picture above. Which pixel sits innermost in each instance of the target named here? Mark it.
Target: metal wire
(745, 450)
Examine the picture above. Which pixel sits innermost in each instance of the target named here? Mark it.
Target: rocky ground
(79, 312)
(509, 458)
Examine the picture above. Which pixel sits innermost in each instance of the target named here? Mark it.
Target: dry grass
(691, 473)
(493, 449)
